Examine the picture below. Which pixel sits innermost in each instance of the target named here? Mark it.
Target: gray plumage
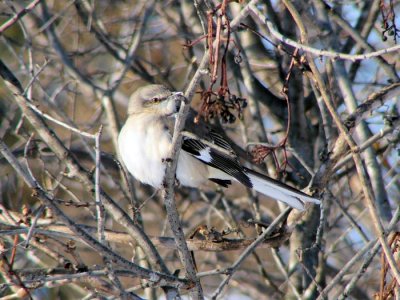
(145, 141)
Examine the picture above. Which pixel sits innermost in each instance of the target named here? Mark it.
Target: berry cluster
(223, 106)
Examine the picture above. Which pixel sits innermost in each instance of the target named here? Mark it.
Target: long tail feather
(279, 191)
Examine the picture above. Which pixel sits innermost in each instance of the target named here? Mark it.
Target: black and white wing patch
(214, 158)
(218, 140)
(213, 150)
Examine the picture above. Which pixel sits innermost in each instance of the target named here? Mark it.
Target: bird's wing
(203, 131)
(208, 146)
(212, 149)
(214, 158)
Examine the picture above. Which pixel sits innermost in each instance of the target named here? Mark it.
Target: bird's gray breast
(143, 145)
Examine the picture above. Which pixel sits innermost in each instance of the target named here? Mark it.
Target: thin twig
(122, 238)
(367, 143)
(317, 52)
(58, 122)
(99, 204)
(281, 267)
(162, 279)
(18, 16)
(169, 179)
(371, 246)
(76, 169)
(249, 250)
(364, 182)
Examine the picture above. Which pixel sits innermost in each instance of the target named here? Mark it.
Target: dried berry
(238, 59)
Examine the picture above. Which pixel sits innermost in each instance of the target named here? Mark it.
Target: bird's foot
(177, 182)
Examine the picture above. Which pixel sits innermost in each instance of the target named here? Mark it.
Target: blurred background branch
(307, 89)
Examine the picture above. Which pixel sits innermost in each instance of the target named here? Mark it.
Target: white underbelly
(190, 171)
(144, 149)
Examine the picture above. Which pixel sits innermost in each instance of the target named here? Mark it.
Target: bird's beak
(178, 97)
(178, 94)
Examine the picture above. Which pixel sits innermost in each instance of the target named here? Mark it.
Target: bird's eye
(155, 100)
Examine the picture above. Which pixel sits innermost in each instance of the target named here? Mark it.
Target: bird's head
(154, 99)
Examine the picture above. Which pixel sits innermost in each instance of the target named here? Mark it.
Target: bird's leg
(169, 160)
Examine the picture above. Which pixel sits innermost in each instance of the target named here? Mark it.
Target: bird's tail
(279, 191)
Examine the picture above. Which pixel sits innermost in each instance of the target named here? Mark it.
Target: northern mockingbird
(145, 143)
